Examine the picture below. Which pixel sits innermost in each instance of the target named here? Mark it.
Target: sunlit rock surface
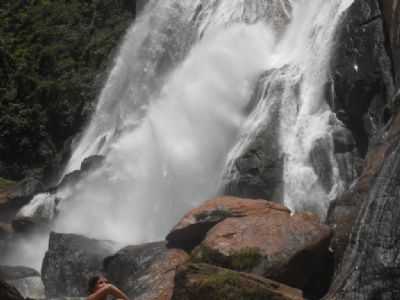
(193, 227)
(292, 249)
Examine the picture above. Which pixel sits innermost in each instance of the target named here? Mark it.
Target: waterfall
(293, 113)
(177, 110)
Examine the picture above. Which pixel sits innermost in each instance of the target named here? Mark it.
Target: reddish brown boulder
(272, 243)
(203, 281)
(193, 227)
(145, 272)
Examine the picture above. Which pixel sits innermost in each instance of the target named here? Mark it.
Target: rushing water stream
(175, 113)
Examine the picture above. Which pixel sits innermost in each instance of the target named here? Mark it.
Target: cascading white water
(175, 102)
(295, 92)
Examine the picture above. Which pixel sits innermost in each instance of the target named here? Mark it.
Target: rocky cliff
(366, 216)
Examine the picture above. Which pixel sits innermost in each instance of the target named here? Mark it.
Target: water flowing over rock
(16, 196)
(204, 94)
(285, 151)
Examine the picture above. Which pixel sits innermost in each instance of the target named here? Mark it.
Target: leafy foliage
(53, 58)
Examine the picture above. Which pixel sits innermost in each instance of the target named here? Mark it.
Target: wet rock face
(70, 261)
(365, 218)
(361, 72)
(370, 266)
(344, 210)
(13, 198)
(203, 281)
(88, 165)
(145, 272)
(391, 11)
(258, 171)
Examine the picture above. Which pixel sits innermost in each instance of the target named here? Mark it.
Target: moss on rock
(245, 259)
(5, 183)
(204, 281)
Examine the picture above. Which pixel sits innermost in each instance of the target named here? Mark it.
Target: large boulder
(289, 248)
(193, 227)
(70, 261)
(203, 281)
(145, 272)
(26, 280)
(8, 292)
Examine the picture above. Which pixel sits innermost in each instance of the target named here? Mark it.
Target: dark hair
(92, 283)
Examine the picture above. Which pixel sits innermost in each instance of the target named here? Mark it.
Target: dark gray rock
(70, 261)
(363, 86)
(348, 160)
(257, 173)
(92, 162)
(370, 268)
(361, 72)
(145, 272)
(391, 11)
(12, 199)
(16, 272)
(8, 292)
(88, 165)
(26, 280)
(321, 162)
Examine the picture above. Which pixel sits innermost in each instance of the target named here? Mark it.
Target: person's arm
(117, 293)
(100, 294)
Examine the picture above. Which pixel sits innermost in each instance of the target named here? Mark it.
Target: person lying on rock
(99, 288)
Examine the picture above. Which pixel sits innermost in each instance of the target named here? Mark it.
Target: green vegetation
(229, 285)
(4, 183)
(53, 58)
(217, 214)
(202, 281)
(244, 260)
